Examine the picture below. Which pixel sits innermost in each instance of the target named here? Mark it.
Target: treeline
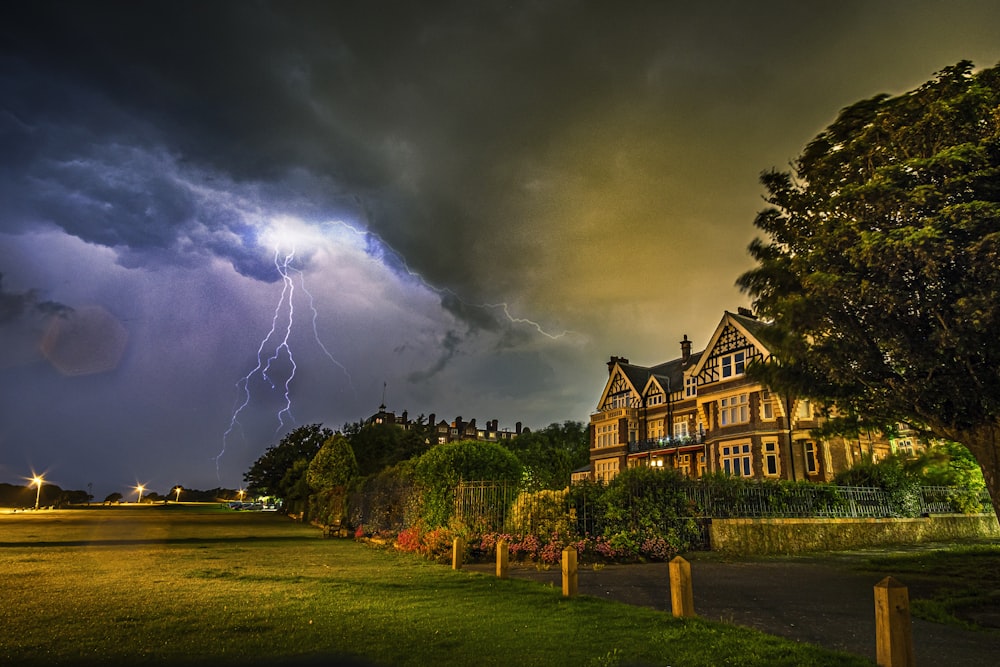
(12, 495)
(186, 495)
(17, 496)
(314, 469)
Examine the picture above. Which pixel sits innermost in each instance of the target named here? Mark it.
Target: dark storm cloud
(418, 119)
(16, 305)
(450, 346)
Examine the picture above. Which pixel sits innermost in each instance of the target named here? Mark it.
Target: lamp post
(139, 488)
(178, 492)
(37, 481)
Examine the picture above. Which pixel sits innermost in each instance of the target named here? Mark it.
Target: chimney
(615, 360)
(431, 420)
(517, 428)
(685, 349)
(459, 424)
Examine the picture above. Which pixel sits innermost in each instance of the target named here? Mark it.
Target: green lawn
(195, 586)
(954, 584)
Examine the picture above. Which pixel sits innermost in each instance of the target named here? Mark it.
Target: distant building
(443, 431)
(699, 414)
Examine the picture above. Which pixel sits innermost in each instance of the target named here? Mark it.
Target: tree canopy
(879, 263)
(550, 455)
(333, 466)
(270, 473)
(378, 446)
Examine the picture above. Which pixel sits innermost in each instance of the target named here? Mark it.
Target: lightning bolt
(283, 347)
(284, 312)
(315, 314)
(523, 320)
(283, 322)
(401, 261)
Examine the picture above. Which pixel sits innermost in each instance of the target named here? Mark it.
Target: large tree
(275, 471)
(550, 456)
(378, 446)
(880, 264)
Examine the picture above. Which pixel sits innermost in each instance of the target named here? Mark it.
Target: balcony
(617, 413)
(664, 443)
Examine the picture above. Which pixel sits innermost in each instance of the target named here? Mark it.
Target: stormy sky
(465, 207)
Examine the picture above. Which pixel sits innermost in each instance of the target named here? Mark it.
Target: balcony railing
(654, 444)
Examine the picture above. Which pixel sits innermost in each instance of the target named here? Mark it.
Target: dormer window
(732, 365)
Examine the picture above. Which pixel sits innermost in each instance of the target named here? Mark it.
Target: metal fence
(498, 507)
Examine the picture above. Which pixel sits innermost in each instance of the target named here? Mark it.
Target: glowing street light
(178, 492)
(140, 488)
(242, 493)
(37, 481)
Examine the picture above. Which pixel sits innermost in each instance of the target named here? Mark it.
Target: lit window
(680, 427)
(736, 460)
(771, 462)
(684, 464)
(734, 410)
(812, 464)
(767, 407)
(733, 364)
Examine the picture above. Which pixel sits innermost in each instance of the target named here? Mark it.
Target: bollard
(503, 558)
(681, 592)
(457, 551)
(893, 634)
(569, 572)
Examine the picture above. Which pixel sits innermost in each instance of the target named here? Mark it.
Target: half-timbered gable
(733, 346)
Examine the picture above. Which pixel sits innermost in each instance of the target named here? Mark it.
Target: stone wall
(792, 536)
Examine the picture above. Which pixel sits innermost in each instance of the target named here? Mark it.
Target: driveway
(827, 605)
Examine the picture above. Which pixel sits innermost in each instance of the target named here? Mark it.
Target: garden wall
(792, 536)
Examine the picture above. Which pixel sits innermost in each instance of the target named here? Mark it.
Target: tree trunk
(984, 443)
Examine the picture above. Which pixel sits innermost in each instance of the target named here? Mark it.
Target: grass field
(202, 586)
(958, 585)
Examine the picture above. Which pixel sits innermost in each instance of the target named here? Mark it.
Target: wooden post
(681, 593)
(893, 635)
(457, 551)
(569, 572)
(503, 559)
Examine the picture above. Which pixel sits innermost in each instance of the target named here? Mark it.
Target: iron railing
(490, 506)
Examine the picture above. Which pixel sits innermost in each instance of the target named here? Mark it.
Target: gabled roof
(668, 374)
(750, 327)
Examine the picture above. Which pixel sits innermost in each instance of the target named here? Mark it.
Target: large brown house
(700, 413)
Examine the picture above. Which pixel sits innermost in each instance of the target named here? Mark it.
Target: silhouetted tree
(879, 268)
(550, 455)
(270, 473)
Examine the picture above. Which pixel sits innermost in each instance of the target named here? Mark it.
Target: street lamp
(178, 492)
(37, 481)
(242, 493)
(140, 488)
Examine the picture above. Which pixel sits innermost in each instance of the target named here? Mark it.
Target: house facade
(699, 413)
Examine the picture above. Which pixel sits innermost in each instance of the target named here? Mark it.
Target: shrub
(901, 486)
(443, 467)
(644, 503)
(543, 513)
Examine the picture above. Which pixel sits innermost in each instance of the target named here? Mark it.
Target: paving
(828, 605)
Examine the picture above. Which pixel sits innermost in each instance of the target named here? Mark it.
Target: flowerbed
(436, 544)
